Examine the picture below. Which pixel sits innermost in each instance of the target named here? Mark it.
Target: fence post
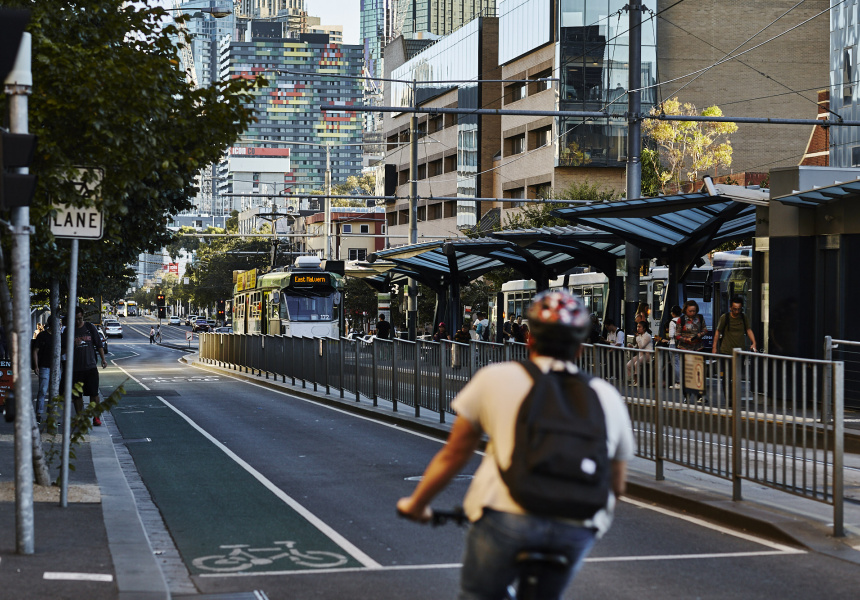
(838, 402)
(658, 417)
(394, 345)
(507, 350)
(314, 353)
(374, 347)
(826, 414)
(441, 403)
(473, 358)
(326, 346)
(737, 461)
(416, 393)
(357, 384)
(342, 350)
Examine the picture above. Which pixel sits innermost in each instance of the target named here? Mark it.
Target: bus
(130, 308)
(301, 300)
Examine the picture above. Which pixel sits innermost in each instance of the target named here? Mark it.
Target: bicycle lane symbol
(241, 557)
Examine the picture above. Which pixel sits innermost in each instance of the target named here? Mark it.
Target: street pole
(17, 87)
(327, 253)
(634, 165)
(69, 350)
(412, 297)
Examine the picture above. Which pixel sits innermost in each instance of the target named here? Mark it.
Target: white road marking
(60, 576)
(289, 501)
(701, 523)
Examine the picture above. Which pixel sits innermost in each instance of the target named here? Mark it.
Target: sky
(332, 12)
(338, 12)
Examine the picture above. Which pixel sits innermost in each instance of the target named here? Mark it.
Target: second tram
(301, 300)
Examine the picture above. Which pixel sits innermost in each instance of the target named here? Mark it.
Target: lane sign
(84, 223)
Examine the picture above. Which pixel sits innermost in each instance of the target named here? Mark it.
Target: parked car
(212, 323)
(113, 328)
(191, 319)
(227, 329)
(200, 325)
(104, 340)
(174, 321)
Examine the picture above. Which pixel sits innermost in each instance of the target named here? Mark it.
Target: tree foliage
(688, 148)
(108, 93)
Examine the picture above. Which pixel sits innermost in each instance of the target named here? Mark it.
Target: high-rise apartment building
(302, 75)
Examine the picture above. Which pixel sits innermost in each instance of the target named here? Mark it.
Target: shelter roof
(822, 195)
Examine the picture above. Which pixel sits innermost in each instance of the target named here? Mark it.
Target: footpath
(96, 548)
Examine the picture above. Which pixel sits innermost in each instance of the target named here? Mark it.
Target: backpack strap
(97, 341)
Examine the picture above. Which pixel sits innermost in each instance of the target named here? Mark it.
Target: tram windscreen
(311, 304)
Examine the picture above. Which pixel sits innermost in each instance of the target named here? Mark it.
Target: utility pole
(327, 203)
(412, 297)
(18, 85)
(634, 150)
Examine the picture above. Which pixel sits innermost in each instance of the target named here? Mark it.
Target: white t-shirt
(491, 402)
(615, 339)
(672, 326)
(644, 341)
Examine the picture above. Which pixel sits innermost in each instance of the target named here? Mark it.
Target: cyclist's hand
(407, 509)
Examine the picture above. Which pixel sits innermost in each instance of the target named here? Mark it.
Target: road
(260, 490)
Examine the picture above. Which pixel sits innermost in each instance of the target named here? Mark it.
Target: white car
(173, 321)
(113, 328)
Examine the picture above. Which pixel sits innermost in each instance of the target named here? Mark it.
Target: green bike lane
(224, 516)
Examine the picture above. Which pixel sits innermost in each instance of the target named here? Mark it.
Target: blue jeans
(493, 542)
(44, 382)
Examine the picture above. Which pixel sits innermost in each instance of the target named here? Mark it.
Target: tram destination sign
(310, 279)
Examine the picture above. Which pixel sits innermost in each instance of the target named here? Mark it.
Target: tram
(724, 275)
(302, 300)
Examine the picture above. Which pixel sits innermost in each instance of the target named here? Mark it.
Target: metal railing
(773, 420)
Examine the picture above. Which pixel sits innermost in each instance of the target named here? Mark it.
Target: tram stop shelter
(445, 266)
(676, 230)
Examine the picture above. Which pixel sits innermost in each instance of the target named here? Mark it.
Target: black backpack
(560, 464)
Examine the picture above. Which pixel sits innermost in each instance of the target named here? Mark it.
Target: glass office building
(455, 58)
(207, 32)
(592, 62)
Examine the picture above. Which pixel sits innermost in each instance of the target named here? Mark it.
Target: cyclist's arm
(619, 477)
(461, 444)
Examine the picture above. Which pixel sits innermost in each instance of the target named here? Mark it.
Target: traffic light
(16, 151)
(221, 311)
(160, 301)
(162, 310)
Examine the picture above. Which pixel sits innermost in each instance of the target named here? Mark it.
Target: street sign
(188, 336)
(694, 372)
(84, 223)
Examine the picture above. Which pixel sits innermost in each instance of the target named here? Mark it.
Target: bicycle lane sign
(222, 518)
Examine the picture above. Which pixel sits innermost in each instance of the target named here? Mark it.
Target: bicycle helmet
(559, 314)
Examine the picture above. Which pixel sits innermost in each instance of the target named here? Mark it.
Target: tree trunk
(40, 467)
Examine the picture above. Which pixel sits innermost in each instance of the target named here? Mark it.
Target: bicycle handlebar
(442, 517)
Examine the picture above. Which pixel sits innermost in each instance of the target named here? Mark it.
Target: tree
(363, 185)
(109, 94)
(687, 148)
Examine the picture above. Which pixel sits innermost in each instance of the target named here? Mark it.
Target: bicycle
(242, 557)
(532, 565)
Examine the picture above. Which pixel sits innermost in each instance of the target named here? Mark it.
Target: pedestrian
(152, 334)
(614, 336)
(594, 331)
(441, 333)
(87, 347)
(507, 331)
(671, 343)
(383, 328)
(644, 343)
(461, 336)
(501, 528)
(731, 329)
(482, 327)
(517, 330)
(526, 332)
(43, 352)
(158, 333)
(691, 327)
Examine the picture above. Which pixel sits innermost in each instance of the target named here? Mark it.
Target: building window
(358, 254)
(364, 228)
(540, 137)
(516, 144)
(346, 229)
(517, 91)
(855, 156)
(847, 88)
(543, 82)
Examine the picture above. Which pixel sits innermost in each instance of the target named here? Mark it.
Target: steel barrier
(776, 421)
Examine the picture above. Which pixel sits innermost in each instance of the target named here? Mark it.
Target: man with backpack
(731, 329)
(87, 349)
(564, 503)
(482, 328)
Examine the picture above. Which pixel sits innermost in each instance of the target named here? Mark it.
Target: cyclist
(489, 404)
